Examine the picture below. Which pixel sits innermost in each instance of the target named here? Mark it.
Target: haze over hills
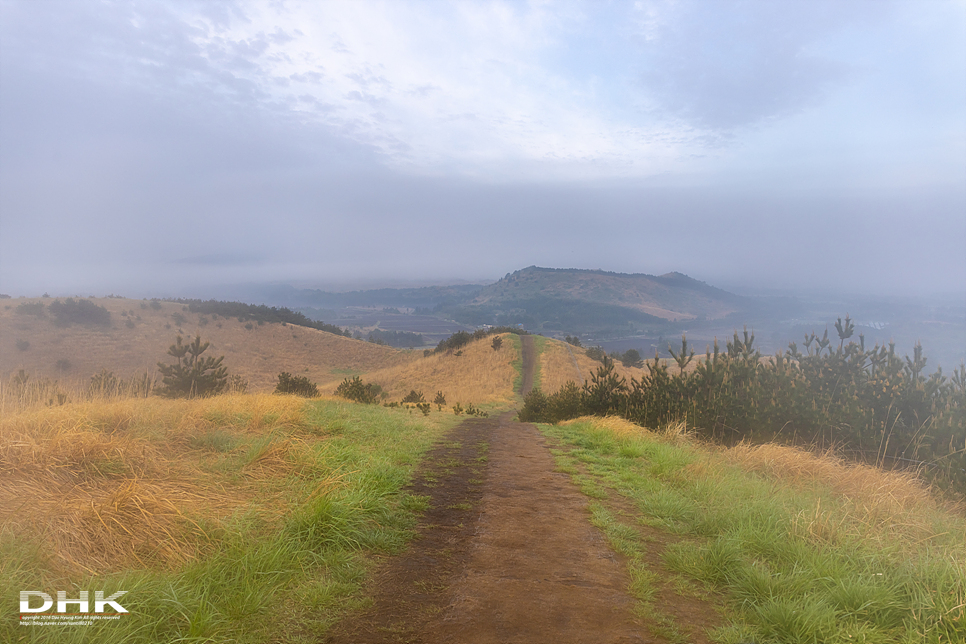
(591, 300)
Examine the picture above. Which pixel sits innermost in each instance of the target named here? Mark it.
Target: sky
(165, 148)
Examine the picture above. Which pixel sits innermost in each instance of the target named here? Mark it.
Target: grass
(479, 375)
(557, 366)
(233, 519)
(804, 548)
(257, 355)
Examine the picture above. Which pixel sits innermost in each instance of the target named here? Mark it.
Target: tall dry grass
(561, 363)
(125, 483)
(479, 375)
(867, 502)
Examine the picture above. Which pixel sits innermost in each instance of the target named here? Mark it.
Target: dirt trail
(505, 554)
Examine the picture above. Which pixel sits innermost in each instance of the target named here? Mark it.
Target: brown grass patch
(560, 363)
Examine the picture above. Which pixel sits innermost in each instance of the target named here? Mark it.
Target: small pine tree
(192, 375)
(298, 385)
(439, 400)
(497, 343)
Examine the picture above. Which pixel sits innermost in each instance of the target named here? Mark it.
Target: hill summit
(567, 298)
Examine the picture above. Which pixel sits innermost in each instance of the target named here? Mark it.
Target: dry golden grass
(560, 363)
(257, 354)
(885, 502)
(480, 375)
(120, 484)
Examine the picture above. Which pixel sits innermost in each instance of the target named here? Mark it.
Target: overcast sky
(151, 147)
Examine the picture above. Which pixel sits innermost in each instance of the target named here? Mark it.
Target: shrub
(192, 375)
(37, 309)
(23, 345)
(63, 364)
(414, 397)
(298, 385)
(356, 390)
(424, 407)
(497, 343)
(632, 358)
(439, 400)
(72, 311)
(573, 340)
(595, 353)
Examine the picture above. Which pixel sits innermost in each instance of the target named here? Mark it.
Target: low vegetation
(192, 375)
(870, 403)
(296, 385)
(801, 548)
(259, 313)
(227, 519)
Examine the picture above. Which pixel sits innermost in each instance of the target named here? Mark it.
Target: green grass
(745, 536)
(259, 580)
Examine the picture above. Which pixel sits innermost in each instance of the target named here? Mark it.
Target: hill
(129, 336)
(555, 300)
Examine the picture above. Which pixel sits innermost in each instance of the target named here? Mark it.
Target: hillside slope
(139, 333)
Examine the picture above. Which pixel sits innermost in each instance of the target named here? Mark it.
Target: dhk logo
(81, 602)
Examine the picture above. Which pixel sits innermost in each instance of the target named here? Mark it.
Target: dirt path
(506, 554)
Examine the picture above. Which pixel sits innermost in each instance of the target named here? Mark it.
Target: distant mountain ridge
(571, 297)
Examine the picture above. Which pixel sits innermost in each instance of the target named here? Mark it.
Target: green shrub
(298, 385)
(356, 390)
(414, 397)
(192, 375)
(870, 403)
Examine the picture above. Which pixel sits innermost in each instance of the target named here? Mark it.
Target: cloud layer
(145, 145)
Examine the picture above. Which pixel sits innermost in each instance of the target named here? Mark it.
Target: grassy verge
(802, 548)
(234, 519)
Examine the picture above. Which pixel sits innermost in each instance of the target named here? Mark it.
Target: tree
(497, 343)
(192, 375)
(632, 358)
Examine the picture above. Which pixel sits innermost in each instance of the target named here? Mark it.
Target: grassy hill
(136, 335)
(549, 299)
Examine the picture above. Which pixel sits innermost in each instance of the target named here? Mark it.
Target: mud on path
(505, 554)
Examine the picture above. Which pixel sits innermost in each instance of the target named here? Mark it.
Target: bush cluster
(72, 311)
(357, 390)
(259, 313)
(298, 385)
(871, 403)
(399, 339)
(460, 339)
